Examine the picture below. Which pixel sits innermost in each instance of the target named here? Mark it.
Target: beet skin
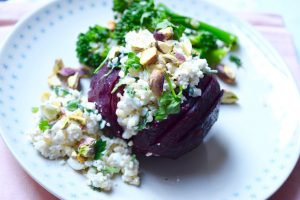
(172, 137)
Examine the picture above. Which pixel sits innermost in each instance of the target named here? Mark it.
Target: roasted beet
(178, 134)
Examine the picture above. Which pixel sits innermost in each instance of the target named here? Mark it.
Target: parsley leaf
(111, 170)
(73, 105)
(61, 92)
(169, 102)
(34, 109)
(99, 149)
(143, 122)
(178, 30)
(44, 125)
(235, 60)
(133, 61)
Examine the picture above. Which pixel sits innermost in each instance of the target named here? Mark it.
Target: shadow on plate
(206, 159)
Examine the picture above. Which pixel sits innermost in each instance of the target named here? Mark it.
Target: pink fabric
(16, 184)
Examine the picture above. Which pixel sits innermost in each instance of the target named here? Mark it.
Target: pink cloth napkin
(16, 184)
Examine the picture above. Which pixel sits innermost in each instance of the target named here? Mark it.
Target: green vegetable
(235, 60)
(133, 62)
(111, 170)
(99, 149)
(92, 47)
(133, 158)
(121, 5)
(204, 40)
(44, 125)
(73, 105)
(34, 109)
(143, 123)
(169, 102)
(178, 30)
(228, 38)
(101, 65)
(61, 92)
(145, 16)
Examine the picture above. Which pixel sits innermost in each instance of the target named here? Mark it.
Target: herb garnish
(169, 102)
(99, 149)
(44, 125)
(73, 105)
(34, 109)
(59, 91)
(133, 61)
(235, 60)
(111, 170)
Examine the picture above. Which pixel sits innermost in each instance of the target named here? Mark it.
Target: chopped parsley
(111, 170)
(34, 109)
(61, 92)
(133, 61)
(143, 123)
(235, 60)
(133, 158)
(44, 125)
(99, 149)
(169, 102)
(73, 105)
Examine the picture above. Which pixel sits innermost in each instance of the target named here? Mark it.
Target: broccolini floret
(92, 47)
(141, 14)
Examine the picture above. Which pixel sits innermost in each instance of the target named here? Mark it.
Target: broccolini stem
(228, 38)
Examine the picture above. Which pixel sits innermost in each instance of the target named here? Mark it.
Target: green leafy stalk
(228, 38)
(169, 102)
(101, 65)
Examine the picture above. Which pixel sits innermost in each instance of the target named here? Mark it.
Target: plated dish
(218, 160)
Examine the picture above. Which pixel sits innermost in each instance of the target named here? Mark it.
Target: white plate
(251, 149)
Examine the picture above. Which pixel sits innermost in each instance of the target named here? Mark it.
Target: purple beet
(173, 137)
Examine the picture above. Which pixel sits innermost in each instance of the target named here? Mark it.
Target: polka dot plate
(250, 152)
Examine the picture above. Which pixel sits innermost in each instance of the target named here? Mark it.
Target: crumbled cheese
(131, 108)
(190, 72)
(65, 134)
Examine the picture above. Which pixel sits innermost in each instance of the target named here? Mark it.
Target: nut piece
(111, 25)
(45, 96)
(156, 82)
(58, 65)
(78, 116)
(168, 58)
(167, 32)
(229, 97)
(226, 73)
(149, 56)
(73, 81)
(164, 47)
(54, 81)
